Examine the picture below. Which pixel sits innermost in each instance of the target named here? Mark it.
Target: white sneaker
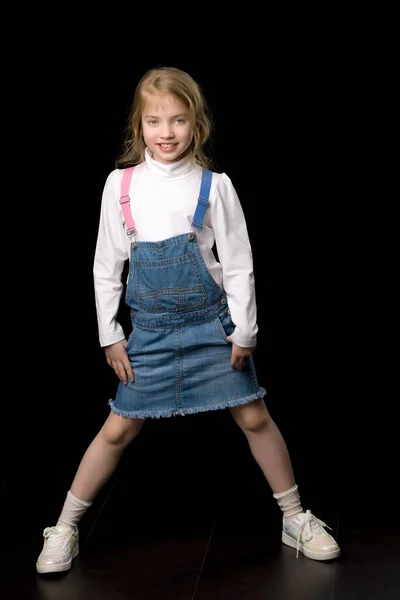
(307, 534)
(59, 549)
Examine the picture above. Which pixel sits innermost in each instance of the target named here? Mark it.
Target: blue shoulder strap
(202, 202)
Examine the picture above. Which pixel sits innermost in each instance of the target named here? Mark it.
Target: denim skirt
(185, 369)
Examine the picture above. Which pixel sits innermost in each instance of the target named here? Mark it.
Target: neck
(179, 168)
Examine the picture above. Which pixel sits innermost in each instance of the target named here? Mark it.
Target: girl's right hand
(118, 360)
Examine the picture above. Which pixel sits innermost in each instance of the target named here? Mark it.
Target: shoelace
(312, 526)
(56, 539)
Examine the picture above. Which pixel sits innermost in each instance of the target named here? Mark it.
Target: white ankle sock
(72, 511)
(289, 502)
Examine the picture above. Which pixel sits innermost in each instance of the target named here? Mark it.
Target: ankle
(73, 510)
(289, 502)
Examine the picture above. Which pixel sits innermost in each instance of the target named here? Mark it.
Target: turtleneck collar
(172, 170)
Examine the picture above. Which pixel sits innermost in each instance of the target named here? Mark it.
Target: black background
(304, 107)
(288, 132)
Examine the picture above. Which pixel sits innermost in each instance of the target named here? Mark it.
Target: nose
(167, 131)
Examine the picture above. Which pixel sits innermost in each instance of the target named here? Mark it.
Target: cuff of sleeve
(243, 341)
(107, 340)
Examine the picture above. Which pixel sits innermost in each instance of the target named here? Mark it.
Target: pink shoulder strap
(125, 200)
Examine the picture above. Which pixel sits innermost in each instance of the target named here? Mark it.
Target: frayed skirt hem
(157, 414)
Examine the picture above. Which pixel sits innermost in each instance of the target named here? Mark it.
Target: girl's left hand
(239, 354)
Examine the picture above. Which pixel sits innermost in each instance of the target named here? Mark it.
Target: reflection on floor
(188, 515)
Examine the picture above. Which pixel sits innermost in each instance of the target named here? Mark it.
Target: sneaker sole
(58, 568)
(308, 553)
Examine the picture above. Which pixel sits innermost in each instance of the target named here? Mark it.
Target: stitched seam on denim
(166, 262)
(178, 368)
(168, 321)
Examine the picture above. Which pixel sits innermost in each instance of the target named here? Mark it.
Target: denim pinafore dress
(178, 346)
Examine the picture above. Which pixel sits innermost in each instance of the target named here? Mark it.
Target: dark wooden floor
(189, 516)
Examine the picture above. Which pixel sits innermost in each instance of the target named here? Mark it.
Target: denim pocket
(182, 287)
(225, 322)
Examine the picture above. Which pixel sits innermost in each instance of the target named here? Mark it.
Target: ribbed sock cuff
(78, 502)
(289, 502)
(283, 494)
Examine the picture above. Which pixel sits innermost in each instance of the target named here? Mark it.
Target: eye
(152, 122)
(181, 120)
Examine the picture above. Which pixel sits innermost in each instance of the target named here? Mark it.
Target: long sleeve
(235, 256)
(110, 256)
(163, 199)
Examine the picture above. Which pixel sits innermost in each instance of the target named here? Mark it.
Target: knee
(251, 418)
(120, 431)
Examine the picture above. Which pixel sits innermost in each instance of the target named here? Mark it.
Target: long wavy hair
(181, 85)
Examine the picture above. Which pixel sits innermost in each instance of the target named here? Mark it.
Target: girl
(163, 209)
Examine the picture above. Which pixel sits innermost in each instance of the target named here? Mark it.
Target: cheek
(147, 134)
(189, 135)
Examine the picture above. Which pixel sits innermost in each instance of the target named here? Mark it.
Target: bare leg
(266, 443)
(61, 542)
(300, 530)
(103, 455)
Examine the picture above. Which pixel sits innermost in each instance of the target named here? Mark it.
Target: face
(167, 131)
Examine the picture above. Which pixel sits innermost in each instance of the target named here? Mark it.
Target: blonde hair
(181, 85)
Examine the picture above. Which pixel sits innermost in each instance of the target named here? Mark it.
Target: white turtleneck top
(163, 199)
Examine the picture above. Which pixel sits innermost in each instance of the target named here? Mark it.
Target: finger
(116, 371)
(237, 362)
(128, 370)
(122, 373)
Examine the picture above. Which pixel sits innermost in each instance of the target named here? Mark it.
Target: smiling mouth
(167, 147)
